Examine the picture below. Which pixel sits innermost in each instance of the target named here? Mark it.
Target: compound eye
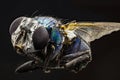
(15, 25)
(40, 38)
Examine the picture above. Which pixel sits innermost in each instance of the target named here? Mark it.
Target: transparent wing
(90, 31)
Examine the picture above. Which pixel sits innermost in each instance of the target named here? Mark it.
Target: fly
(53, 45)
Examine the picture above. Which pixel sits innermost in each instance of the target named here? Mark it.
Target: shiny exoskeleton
(53, 45)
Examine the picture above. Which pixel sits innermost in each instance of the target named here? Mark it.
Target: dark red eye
(15, 24)
(40, 38)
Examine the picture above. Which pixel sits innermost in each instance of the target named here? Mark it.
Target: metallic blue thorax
(55, 36)
(50, 24)
(47, 22)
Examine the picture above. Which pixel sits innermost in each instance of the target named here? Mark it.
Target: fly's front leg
(78, 55)
(28, 66)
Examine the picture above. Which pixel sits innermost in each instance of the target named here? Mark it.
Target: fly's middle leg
(77, 55)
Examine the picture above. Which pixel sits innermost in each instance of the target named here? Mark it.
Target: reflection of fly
(53, 45)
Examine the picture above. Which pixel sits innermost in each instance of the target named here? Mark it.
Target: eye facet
(40, 38)
(15, 25)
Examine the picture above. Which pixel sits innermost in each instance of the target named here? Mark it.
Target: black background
(105, 51)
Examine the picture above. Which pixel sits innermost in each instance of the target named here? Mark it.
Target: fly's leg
(77, 55)
(28, 66)
(77, 63)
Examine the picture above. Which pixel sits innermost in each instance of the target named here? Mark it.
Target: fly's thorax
(47, 22)
(68, 35)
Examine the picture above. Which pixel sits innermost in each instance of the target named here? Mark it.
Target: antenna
(34, 13)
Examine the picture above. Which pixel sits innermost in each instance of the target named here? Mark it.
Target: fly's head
(27, 36)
